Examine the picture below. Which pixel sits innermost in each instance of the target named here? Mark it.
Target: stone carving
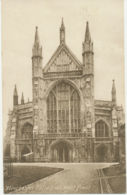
(86, 86)
(77, 81)
(40, 142)
(87, 101)
(88, 80)
(103, 103)
(14, 120)
(62, 59)
(106, 119)
(47, 82)
(87, 91)
(88, 116)
(82, 84)
(36, 82)
(88, 119)
(114, 123)
(62, 63)
(115, 133)
(114, 114)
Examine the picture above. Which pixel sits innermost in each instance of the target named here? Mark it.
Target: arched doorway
(61, 151)
(24, 151)
(101, 153)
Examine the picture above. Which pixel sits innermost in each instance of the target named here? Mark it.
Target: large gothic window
(101, 129)
(63, 109)
(27, 131)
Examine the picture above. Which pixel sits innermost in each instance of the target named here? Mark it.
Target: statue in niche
(115, 123)
(87, 85)
(82, 85)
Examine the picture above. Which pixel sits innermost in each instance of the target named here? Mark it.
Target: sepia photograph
(63, 92)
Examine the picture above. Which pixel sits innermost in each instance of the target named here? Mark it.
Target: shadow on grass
(23, 175)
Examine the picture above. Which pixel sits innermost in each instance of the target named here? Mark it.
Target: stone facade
(122, 152)
(64, 122)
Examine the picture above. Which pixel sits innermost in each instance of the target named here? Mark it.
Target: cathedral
(64, 122)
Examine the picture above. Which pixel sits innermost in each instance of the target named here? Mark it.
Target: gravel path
(75, 178)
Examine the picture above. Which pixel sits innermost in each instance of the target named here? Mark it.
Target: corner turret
(113, 93)
(87, 52)
(22, 99)
(15, 97)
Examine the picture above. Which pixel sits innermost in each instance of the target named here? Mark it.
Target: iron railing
(8, 167)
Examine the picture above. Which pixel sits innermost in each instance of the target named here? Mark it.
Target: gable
(63, 60)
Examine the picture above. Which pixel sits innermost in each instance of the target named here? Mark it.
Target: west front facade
(64, 122)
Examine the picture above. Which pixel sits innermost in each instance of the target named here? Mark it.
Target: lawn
(23, 175)
(117, 183)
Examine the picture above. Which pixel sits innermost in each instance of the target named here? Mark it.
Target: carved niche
(88, 87)
(85, 85)
(82, 83)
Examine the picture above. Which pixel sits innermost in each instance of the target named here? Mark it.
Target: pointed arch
(68, 142)
(101, 129)
(69, 82)
(61, 151)
(63, 108)
(103, 119)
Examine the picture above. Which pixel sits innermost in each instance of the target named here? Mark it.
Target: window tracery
(63, 109)
(101, 129)
(27, 131)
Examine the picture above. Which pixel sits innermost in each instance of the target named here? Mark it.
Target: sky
(19, 18)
